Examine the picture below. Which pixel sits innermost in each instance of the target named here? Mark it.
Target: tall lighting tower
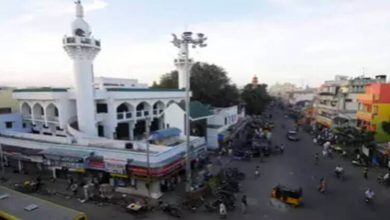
(184, 64)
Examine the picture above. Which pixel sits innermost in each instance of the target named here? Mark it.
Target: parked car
(293, 136)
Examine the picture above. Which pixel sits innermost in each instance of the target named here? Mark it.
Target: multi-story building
(336, 103)
(374, 108)
(91, 128)
(10, 119)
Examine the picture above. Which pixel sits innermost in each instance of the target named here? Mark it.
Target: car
(293, 136)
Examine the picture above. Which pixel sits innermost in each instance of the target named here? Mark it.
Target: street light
(184, 64)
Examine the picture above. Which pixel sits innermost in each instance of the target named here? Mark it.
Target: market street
(295, 168)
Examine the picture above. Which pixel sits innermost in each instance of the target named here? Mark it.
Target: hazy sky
(298, 41)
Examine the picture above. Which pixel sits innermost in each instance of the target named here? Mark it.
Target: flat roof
(16, 202)
(41, 89)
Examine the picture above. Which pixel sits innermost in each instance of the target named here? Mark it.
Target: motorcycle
(381, 179)
(170, 209)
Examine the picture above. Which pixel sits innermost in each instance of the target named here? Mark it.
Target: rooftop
(197, 110)
(15, 204)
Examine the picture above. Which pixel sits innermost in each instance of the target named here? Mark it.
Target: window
(5, 110)
(101, 108)
(8, 124)
(167, 125)
(24, 125)
(56, 112)
(225, 121)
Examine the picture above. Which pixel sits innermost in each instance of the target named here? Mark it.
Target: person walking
(281, 149)
(365, 173)
(222, 211)
(317, 158)
(322, 186)
(244, 204)
(257, 172)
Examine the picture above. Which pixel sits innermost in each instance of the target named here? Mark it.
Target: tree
(386, 126)
(167, 81)
(255, 98)
(209, 85)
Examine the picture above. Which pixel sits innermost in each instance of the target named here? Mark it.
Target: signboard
(115, 166)
(96, 163)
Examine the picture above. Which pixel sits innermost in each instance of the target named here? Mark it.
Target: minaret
(181, 66)
(82, 48)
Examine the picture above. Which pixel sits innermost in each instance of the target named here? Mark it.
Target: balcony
(365, 116)
(124, 115)
(324, 120)
(366, 98)
(81, 41)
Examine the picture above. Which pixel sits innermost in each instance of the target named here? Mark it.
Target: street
(295, 168)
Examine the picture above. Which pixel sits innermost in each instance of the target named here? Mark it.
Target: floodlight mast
(184, 64)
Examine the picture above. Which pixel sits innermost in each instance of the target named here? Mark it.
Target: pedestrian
(222, 210)
(70, 183)
(322, 186)
(244, 204)
(317, 158)
(282, 148)
(257, 172)
(74, 187)
(365, 173)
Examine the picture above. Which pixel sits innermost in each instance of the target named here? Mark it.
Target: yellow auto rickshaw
(287, 195)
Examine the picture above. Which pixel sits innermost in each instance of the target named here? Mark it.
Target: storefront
(63, 162)
(23, 160)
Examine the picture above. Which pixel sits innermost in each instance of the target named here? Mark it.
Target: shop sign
(115, 166)
(96, 163)
(56, 163)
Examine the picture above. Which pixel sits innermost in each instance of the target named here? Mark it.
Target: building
(374, 108)
(281, 91)
(175, 117)
(10, 119)
(104, 107)
(336, 102)
(97, 127)
(302, 96)
(218, 125)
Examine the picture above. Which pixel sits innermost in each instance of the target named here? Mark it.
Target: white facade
(107, 107)
(222, 119)
(301, 96)
(105, 82)
(174, 117)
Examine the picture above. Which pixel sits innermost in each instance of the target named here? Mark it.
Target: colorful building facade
(374, 108)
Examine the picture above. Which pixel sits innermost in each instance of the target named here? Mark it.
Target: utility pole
(184, 64)
(2, 162)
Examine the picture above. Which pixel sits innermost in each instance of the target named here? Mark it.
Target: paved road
(344, 199)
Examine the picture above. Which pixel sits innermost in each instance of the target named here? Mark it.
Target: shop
(23, 160)
(64, 162)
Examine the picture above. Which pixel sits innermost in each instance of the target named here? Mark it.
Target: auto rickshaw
(287, 195)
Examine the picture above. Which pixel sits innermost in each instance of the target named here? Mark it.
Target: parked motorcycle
(170, 209)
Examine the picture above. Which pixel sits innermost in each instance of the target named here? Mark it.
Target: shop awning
(21, 150)
(165, 133)
(65, 154)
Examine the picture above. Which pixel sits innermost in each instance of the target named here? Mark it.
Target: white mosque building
(97, 125)
(105, 107)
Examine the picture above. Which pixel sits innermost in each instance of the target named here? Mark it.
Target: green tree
(209, 85)
(255, 98)
(167, 81)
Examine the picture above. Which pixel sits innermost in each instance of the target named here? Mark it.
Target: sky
(299, 41)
